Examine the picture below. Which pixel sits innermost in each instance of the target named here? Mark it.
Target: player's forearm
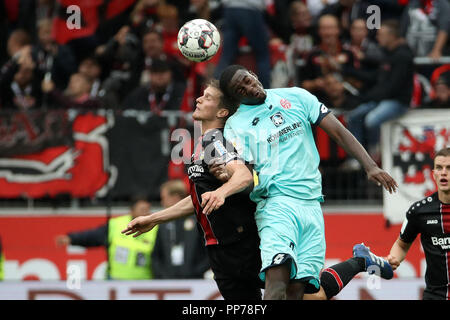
(181, 209)
(343, 137)
(240, 179)
(399, 250)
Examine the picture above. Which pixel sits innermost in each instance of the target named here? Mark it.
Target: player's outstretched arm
(398, 253)
(144, 224)
(343, 137)
(241, 178)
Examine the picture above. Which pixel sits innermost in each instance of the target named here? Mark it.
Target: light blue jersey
(277, 138)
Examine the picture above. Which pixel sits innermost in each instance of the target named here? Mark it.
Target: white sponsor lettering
(443, 242)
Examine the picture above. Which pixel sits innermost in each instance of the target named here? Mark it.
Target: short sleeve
(225, 150)
(238, 143)
(408, 232)
(215, 147)
(314, 109)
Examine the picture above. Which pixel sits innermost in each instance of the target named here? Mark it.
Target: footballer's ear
(222, 113)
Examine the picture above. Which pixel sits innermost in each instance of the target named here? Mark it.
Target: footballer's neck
(209, 125)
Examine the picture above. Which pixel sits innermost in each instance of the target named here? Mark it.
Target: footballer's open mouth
(443, 181)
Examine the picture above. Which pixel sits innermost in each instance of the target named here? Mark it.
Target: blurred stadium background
(72, 163)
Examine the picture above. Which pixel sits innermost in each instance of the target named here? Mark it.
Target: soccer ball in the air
(198, 40)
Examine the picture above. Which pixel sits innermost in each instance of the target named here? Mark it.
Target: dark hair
(225, 101)
(159, 66)
(445, 152)
(393, 26)
(137, 198)
(152, 30)
(226, 76)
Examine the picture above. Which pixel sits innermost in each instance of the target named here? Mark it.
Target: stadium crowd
(125, 56)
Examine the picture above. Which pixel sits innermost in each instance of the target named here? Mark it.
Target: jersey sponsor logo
(255, 121)
(285, 104)
(277, 119)
(323, 108)
(433, 221)
(220, 148)
(279, 258)
(444, 243)
(292, 130)
(195, 171)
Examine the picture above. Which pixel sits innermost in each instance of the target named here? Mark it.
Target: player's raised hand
(382, 178)
(212, 200)
(139, 226)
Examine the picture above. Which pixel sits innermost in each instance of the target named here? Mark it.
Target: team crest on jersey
(285, 103)
(277, 119)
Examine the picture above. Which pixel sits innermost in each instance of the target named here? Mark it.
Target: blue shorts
(292, 230)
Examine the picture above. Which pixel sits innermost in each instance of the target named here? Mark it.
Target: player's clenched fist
(139, 226)
(393, 261)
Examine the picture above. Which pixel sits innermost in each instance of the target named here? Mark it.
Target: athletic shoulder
(423, 206)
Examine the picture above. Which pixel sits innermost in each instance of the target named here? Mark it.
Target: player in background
(272, 129)
(236, 265)
(431, 218)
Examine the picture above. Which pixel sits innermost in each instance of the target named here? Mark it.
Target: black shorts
(435, 294)
(236, 267)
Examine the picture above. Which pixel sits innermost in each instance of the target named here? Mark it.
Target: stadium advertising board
(31, 253)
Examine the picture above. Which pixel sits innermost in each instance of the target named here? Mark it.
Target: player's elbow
(246, 177)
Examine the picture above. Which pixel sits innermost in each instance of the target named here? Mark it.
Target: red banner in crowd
(31, 253)
(80, 170)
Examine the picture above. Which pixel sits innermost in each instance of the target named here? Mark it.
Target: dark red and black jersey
(235, 219)
(431, 218)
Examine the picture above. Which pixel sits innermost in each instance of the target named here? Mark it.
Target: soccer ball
(198, 40)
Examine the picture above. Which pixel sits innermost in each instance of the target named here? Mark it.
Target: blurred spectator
(168, 26)
(426, 25)
(179, 251)
(367, 54)
(316, 7)
(245, 18)
(76, 95)
(441, 92)
(346, 11)
(52, 58)
(302, 38)
(92, 69)
(390, 97)
(19, 85)
(336, 96)
(364, 49)
(161, 93)
(279, 28)
(328, 56)
(210, 10)
(128, 257)
(144, 16)
(153, 49)
(17, 40)
(119, 56)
